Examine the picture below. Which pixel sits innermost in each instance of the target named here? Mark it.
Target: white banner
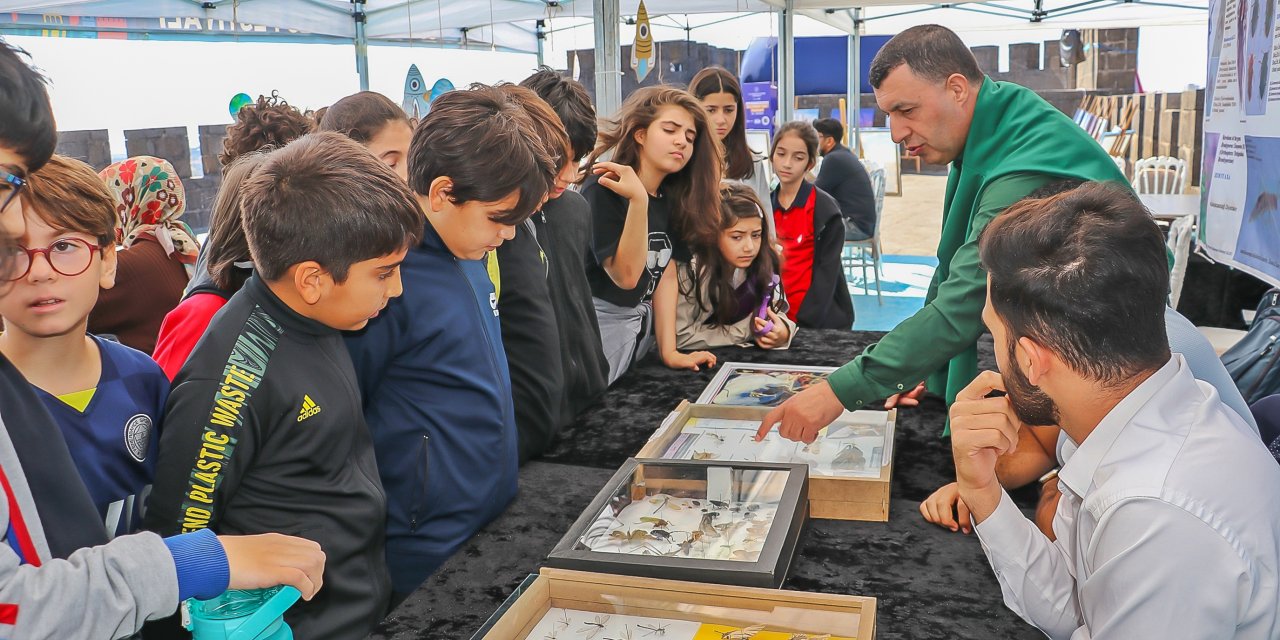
(1240, 179)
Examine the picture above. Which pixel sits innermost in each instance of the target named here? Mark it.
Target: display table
(929, 582)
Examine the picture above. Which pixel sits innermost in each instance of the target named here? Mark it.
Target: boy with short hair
(263, 428)
(106, 398)
(549, 325)
(432, 368)
(54, 555)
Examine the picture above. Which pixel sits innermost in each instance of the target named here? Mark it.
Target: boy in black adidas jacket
(264, 429)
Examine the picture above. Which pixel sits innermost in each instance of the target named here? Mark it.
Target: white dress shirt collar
(1078, 472)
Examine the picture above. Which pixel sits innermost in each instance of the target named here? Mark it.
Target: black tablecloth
(929, 582)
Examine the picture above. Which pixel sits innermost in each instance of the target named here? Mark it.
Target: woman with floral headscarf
(157, 251)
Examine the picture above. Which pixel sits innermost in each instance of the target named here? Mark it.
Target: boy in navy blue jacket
(437, 393)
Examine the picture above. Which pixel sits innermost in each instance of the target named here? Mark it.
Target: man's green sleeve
(950, 323)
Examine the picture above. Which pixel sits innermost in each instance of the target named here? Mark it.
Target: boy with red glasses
(106, 398)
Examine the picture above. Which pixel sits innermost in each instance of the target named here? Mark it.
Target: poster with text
(1240, 176)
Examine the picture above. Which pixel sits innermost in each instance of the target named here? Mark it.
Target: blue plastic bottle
(256, 614)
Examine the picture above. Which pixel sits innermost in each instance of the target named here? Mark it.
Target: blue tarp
(822, 63)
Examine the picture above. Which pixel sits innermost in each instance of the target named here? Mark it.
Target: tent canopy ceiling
(509, 25)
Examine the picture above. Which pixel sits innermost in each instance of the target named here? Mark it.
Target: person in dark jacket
(264, 428)
(843, 176)
(811, 234)
(437, 391)
(549, 326)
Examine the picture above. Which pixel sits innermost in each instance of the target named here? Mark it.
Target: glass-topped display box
(570, 605)
(725, 522)
(850, 463)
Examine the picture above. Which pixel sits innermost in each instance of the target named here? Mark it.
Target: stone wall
(170, 143)
(1111, 60)
(92, 147)
(677, 62)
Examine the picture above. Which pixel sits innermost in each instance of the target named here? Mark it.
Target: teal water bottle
(256, 614)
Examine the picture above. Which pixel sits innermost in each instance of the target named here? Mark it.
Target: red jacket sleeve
(182, 329)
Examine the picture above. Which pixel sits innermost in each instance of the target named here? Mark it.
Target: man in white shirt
(1169, 522)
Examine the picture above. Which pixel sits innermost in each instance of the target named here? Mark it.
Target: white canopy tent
(522, 25)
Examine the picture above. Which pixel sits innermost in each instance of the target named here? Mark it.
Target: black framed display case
(735, 523)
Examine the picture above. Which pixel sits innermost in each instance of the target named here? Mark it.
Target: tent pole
(540, 32)
(853, 94)
(608, 52)
(362, 44)
(786, 62)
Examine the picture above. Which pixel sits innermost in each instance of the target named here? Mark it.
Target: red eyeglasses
(67, 256)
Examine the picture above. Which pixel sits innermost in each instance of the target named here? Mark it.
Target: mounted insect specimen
(850, 457)
(593, 628)
(745, 633)
(655, 629)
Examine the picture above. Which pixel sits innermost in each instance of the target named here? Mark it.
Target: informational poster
(760, 100)
(1240, 179)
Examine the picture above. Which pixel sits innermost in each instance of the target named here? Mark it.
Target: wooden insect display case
(850, 464)
(745, 384)
(570, 605)
(726, 522)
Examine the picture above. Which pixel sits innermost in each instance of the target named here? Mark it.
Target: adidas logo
(309, 408)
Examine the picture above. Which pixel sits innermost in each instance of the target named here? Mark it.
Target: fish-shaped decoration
(642, 55)
(441, 87)
(415, 103)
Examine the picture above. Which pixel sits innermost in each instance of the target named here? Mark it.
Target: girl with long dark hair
(657, 197)
(731, 293)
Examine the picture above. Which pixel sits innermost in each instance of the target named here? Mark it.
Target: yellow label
(727, 632)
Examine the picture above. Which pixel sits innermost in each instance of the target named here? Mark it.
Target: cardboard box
(707, 521)
(830, 497)
(787, 612)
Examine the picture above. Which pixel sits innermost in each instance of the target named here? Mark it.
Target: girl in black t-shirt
(658, 195)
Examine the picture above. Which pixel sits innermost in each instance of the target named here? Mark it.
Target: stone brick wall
(1111, 60)
(677, 62)
(170, 143)
(92, 147)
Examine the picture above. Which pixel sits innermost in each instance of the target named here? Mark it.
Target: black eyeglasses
(67, 256)
(10, 186)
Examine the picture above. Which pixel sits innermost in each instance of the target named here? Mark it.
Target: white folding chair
(866, 253)
(1160, 175)
(1181, 231)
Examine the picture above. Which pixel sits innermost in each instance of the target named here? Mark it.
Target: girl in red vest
(811, 233)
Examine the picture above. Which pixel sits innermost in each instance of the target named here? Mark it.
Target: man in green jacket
(1004, 142)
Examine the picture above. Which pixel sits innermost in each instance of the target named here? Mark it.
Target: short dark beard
(1031, 405)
